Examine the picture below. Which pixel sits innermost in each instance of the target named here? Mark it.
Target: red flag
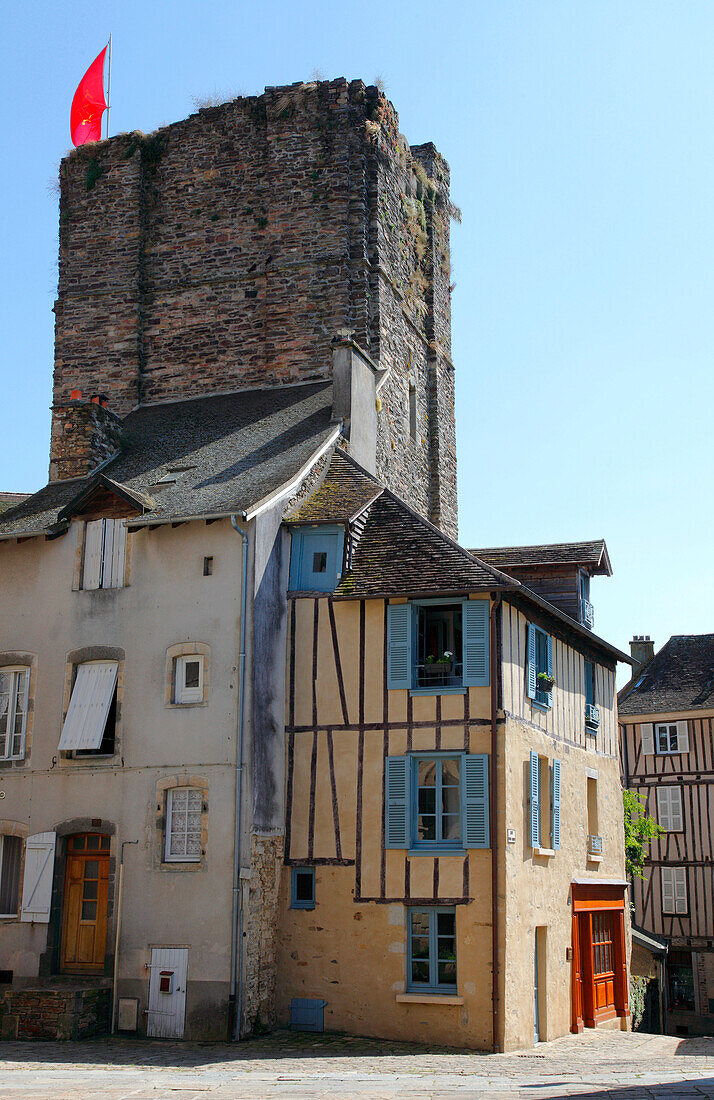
(89, 104)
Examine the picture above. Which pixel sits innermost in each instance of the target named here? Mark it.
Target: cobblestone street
(607, 1064)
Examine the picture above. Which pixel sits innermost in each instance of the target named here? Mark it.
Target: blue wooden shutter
(476, 831)
(475, 623)
(399, 645)
(296, 538)
(535, 800)
(555, 824)
(531, 668)
(549, 651)
(396, 778)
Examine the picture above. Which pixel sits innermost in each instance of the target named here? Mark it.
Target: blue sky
(580, 141)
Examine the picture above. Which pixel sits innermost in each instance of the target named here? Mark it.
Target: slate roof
(679, 677)
(209, 456)
(593, 554)
(345, 491)
(9, 500)
(401, 554)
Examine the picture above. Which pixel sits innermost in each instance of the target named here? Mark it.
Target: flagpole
(109, 84)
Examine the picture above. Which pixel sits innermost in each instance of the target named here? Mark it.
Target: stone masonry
(260, 924)
(55, 1013)
(84, 434)
(227, 250)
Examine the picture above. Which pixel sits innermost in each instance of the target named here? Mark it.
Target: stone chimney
(84, 434)
(641, 651)
(354, 400)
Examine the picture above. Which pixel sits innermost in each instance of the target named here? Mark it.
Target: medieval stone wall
(228, 249)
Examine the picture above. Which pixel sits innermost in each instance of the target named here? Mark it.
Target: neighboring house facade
(454, 861)
(666, 714)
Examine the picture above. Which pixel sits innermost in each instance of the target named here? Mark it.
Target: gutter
(235, 998)
(493, 821)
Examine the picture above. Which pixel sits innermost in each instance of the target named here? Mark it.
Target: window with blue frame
(592, 712)
(431, 960)
(433, 646)
(437, 802)
(316, 558)
(302, 888)
(539, 666)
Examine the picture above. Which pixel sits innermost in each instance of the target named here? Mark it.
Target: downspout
(236, 1001)
(493, 820)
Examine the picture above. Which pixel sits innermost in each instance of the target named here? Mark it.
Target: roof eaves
(594, 639)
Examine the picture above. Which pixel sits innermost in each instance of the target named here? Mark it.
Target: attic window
(316, 558)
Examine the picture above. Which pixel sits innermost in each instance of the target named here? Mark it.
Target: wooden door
(86, 887)
(167, 992)
(603, 949)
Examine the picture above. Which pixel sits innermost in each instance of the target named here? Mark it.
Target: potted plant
(545, 681)
(438, 668)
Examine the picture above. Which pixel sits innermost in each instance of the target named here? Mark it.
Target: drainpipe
(493, 819)
(120, 889)
(236, 1002)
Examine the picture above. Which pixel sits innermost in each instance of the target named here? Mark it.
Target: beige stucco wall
(168, 601)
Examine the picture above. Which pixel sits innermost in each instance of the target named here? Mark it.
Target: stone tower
(227, 250)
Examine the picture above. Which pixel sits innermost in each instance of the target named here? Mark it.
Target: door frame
(588, 899)
(101, 856)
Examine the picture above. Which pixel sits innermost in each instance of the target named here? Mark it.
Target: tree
(640, 831)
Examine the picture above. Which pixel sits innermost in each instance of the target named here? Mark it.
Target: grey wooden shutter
(37, 881)
(115, 563)
(399, 645)
(664, 817)
(647, 735)
(475, 624)
(89, 706)
(93, 543)
(396, 778)
(535, 800)
(531, 662)
(476, 824)
(683, 736)
(555, 809)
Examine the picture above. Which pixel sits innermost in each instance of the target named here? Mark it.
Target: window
(302, 888)
(183, 824)
(437, 802)
(412, 412)
(544, 803)
(587, 614)
(10, 864)
(680, 981)
(316, 558)
(539, 666)
(14, 684)
(669, 808)
(674, 890)
(434, 646)
(594, 839)
(188, 679)
(90, 724)
(432, 950)
(104, 554)
(669, 739)
(592, 712)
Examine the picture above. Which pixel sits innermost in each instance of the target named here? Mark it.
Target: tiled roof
(9, 500)
(345, 491)
(207, 456)
(679, 677)
(401, 554)
(593, 554)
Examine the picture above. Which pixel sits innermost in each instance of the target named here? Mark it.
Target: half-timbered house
(454, 862)
(667, 746)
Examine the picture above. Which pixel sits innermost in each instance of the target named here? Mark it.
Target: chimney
(84, 434)
(641, 651)
(354, 398)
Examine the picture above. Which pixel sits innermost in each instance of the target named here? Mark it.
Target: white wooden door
(167, 992)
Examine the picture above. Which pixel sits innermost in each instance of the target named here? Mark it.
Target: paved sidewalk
(607, 1065)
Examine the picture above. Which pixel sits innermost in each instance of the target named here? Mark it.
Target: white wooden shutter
(89, 706)
(680, 890)
(682, 737)
(114, 553)
(647, 735)
(475, 621)
(667, 889)
(675, 809)
(93, 543)
(664, 815)
(37, 882)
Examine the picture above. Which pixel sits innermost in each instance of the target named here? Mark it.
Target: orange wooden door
(86, 888)
(603, 965)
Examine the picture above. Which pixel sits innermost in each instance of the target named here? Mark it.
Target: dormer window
(587, 612)
(316, 558)
(104, 562)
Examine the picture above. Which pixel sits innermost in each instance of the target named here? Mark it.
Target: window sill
(428, 999)
(547, 852)
(541, 706)
(436, 852)
(595, 859)
(437, 690)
